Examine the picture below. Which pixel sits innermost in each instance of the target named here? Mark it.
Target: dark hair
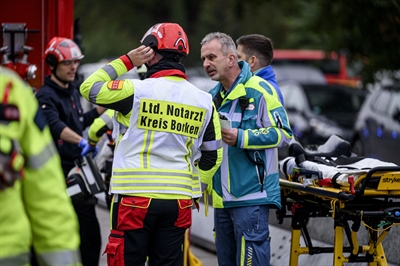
(258, 45)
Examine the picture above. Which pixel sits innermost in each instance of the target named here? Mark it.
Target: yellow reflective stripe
(153, 185)
(143, 149)
(20, 259)
(148, 140)
(151, 173)
(150, 146)
(242, 251)
(273, 145)
(138, 175)
(157, 181)
(38, 160)
(196, 187)
(59, 258)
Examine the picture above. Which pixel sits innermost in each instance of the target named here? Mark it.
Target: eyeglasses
(69, 62)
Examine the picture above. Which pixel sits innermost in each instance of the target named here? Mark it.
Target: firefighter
(34, 206)
(154, 177)
(59, 99)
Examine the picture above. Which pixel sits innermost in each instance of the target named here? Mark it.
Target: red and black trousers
(147, 229)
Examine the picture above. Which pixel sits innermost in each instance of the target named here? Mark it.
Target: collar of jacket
(169, 72)
(166, 67)
(265, 72)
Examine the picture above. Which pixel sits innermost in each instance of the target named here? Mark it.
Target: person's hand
(229, 136)
(100, 110)
(141, 55)
(86, 148)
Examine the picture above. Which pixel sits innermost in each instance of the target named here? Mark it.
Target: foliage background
(367, 30)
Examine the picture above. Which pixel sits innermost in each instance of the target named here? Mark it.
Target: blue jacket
(263, 126)
(62, 108)
(268, 74)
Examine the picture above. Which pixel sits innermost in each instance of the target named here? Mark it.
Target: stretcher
(316, 183)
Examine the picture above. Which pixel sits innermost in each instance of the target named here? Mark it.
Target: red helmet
(169, 37)
(61, 49)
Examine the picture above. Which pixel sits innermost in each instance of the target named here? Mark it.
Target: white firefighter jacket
(157, 152)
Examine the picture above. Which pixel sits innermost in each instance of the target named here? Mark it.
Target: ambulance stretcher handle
(318, 191)
(365, 182)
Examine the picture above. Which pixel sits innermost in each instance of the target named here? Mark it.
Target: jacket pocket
(256, 236)
(249, 119)
(115, 249)
(256, 247)
(184, 213)
(131, 212)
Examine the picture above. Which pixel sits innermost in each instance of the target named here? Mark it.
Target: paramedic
(171, 124)
(247, 182)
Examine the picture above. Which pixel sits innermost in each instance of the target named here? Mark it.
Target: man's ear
(252, 61)
(232, 60)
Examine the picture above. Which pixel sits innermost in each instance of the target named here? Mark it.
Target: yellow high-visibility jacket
(100, 126)
(36, 210)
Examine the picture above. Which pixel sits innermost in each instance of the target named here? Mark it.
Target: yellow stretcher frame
(372, 207)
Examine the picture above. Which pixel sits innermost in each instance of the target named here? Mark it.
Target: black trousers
(148, 228)
(89, 227)
(89, 230)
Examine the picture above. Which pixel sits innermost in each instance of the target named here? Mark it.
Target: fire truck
(27, 27)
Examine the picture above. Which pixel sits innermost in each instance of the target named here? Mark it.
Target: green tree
(365, 29)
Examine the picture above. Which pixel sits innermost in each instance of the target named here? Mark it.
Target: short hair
(228, 45)
(258, 45)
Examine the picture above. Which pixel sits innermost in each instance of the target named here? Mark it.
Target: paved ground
(207, 258)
